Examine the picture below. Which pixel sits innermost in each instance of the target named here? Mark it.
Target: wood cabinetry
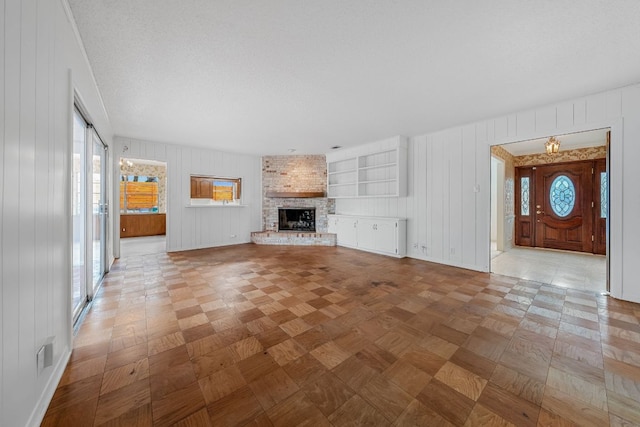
(135, 225)
(372, 170)
(385, 236)
(201, 188)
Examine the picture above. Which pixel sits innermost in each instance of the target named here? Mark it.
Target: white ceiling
(264, 77)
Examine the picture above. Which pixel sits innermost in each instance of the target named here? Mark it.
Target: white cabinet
(374, 234)
(345, 229)
(378, 169)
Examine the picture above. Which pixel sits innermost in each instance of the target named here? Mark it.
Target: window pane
(524, 196)
(604, 199)
(138, 193)
(79, 212)
(562, 195)
(223, 190)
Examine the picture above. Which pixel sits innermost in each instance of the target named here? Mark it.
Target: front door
(563, 206)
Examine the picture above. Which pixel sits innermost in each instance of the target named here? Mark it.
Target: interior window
(215, 190)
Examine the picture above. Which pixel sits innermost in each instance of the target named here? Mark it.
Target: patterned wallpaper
(590, 153)
(150, 170)
(509, 176)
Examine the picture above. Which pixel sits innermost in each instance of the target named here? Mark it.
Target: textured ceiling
(264, 77)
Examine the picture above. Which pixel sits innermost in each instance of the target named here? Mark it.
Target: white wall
(41, 64)
(448, 206)
(202, 227)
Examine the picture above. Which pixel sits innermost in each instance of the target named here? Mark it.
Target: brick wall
(295, 174)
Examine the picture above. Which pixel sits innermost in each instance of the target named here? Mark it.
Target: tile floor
(146, 245)
(561, 268)
(283, 336)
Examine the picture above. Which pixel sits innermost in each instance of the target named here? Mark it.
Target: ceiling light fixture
(291, 150)
(552, 145)
(335, 147)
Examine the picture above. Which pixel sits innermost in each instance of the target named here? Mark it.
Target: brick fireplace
(294, 183)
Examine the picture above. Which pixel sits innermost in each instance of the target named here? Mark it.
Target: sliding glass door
(98, 211)
(89, 211)
(79, 213)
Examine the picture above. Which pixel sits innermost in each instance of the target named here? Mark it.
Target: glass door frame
(98, 149)
(87, 279)
(79, 215)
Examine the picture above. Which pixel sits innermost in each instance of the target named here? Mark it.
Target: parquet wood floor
(284, 336)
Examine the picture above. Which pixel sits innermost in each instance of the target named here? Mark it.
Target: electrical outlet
(453, 251)
(233, 236)
(44, 356)
(415, 246)
(40, 360)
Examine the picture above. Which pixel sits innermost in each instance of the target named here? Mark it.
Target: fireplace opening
(297, 219)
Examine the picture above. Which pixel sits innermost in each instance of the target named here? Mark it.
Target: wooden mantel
(295, 194)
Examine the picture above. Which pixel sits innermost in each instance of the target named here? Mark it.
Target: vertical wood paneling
(564, 114)
(456, 194)
(481, 131)
(627, 188)
(501, 128)
(424, 160)
(439, 165)
(613, 104)
(596, 108)
(482, 202)
(546, 119)
(579, 112)
(10, 206)
(172, 191)
(468, 207)
(2, 165)
(26, 182)
(513, 124)
(526, 123)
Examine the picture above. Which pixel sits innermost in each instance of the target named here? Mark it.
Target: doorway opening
(143, 206)
(554, 213)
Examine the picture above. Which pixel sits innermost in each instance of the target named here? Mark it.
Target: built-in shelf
(372, 170)
(295, 194)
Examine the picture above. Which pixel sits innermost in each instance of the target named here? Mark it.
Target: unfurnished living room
(283, 213)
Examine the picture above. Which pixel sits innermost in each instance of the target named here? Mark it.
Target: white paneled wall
(448, 203)
(200, 227)
(41, 66)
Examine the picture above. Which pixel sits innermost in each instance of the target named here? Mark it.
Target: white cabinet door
(367, 234)
(385, 236)
(347, 232)
(380, 235)
(332, 224)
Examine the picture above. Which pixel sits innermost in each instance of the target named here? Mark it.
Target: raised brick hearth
(295, 177)
(292, 238)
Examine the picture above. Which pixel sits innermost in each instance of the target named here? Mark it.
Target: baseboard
(448, 263)
(47, 394)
